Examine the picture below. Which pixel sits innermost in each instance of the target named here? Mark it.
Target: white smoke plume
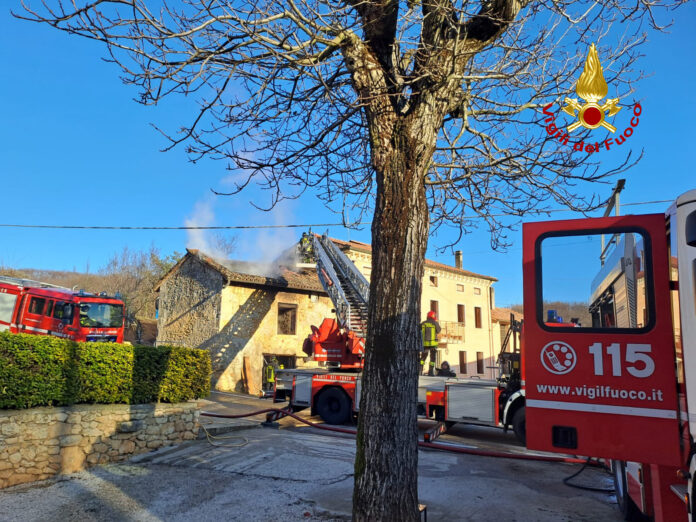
(205, 240)
(262, 251)
(269, 249)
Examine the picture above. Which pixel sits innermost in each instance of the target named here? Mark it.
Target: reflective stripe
(429, 334)
(36, 329)
(602, 408)
(691, 417)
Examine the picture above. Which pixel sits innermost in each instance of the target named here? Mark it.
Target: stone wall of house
(38, 443)
(189, 304)
(249, 328)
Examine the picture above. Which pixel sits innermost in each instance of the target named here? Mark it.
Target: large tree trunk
(386, 479)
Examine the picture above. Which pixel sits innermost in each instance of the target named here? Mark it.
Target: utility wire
(253, 227)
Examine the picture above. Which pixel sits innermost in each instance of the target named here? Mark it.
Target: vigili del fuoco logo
(593, 114)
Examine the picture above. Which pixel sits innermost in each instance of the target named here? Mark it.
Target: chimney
(458, 259)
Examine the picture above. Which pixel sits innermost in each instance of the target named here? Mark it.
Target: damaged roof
(277, 276)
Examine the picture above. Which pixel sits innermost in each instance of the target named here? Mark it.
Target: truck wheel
(333, 406)
(519, 425)
(627, 507)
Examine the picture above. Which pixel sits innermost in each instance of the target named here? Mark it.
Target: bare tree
(424, 112)
(133, 275)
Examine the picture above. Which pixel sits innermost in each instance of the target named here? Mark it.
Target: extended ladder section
(18, 281)
(346, 286)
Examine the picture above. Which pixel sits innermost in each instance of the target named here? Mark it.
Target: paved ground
(297, 473)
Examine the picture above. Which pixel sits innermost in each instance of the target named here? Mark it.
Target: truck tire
(519, 425)
(333, 406)
(627, 508)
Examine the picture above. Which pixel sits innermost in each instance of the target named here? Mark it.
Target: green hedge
(42, 371)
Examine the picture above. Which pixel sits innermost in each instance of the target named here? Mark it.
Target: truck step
(433, 433)
(681, 491)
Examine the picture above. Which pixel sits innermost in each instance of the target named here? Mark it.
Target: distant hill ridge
(566, 310)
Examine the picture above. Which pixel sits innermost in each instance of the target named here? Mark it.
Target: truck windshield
(101, 315)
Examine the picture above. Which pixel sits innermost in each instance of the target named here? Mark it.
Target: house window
(479, 362)
(433, 280)
(477, 316)
(434, 307)
(36, 305)
(462, 362)
(287, 319)
(460, 288)
(477, 290)
(460, 313)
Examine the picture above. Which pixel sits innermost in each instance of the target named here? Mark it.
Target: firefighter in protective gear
(270, 371)
(430, 329)
(304, 248)
(445, 371)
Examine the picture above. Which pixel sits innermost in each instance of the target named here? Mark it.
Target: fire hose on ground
(423, 444)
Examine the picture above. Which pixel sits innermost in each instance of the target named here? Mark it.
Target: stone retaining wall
(37, 443)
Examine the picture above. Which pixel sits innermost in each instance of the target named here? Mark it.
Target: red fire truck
(619, 385)
(33, 307)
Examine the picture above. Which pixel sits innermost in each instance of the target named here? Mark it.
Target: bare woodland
(420, 114)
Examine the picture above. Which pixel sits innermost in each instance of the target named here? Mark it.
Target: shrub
(43, 371)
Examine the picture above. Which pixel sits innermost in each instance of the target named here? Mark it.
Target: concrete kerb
(228, 425)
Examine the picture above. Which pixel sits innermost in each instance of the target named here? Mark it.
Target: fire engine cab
(33, 307)
(621, 383)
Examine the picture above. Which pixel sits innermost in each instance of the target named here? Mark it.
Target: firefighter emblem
(592, 88)
(558, 357)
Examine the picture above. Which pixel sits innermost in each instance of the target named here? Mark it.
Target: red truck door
(598, 349)
(9, 296)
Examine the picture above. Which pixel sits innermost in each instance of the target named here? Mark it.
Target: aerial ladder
(338, 343)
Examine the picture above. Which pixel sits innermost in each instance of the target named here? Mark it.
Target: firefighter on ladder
(430, 329)
(304, 248)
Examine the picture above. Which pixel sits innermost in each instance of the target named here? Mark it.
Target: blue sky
(75, 149)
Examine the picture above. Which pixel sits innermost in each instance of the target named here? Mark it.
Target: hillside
(79, 281)
(568, 311)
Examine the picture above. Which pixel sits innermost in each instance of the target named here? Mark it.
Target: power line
(215, 227)
(255, 227)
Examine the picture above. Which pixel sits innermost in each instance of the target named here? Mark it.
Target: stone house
(244, 318)
(241, 317)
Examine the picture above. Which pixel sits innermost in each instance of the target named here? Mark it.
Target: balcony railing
(451, 332)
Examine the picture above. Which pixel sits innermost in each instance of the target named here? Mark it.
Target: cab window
(597, 281)
(36, 305)
(63, 311)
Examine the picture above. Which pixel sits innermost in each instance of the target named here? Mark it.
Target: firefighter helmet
(431, 315)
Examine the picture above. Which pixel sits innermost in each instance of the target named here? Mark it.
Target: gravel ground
(300, 473)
